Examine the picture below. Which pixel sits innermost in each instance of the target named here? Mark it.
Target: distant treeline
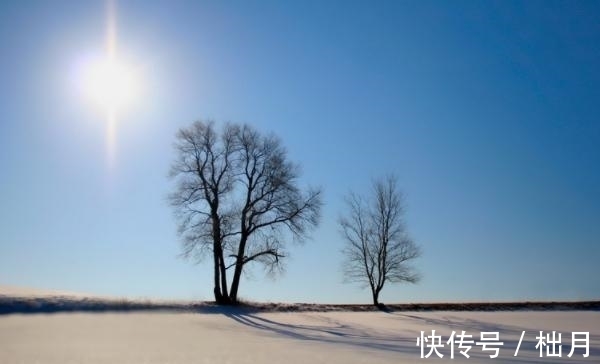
(37, 305)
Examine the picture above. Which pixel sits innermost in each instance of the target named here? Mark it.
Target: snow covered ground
(240, 336)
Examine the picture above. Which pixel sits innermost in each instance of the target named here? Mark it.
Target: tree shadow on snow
(334, 332)
(331, 331)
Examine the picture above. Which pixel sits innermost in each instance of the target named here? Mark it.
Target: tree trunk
(223, 297)
(223, 276)
(375, 298)
(217, 289)
(237, 274)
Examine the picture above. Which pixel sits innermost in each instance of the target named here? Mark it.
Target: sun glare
(110, 84)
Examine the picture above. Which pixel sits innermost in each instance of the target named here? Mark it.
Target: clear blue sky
(487, 111)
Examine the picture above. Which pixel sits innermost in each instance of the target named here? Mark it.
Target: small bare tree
(377, 248)
(237, 196)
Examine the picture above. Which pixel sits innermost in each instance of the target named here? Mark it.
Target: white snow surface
(237, 336)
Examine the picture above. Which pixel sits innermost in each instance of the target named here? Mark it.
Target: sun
(111, 84)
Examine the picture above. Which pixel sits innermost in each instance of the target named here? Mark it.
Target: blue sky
(486, 111)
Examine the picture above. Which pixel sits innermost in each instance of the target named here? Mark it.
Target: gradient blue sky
(487, 111)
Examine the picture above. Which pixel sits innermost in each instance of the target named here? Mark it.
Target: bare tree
(237, 196)
(273, 203)
(377, 248)
(204, 173)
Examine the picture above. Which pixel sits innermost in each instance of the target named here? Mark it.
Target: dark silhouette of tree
(273, 203)
(237, 196)
(204, 173)
(377, 249)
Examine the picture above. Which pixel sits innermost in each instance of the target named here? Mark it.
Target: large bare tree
(237, 196)
(377, 248)
(273, 204)
(205, 176)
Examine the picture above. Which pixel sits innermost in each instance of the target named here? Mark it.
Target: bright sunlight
(110, 84)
